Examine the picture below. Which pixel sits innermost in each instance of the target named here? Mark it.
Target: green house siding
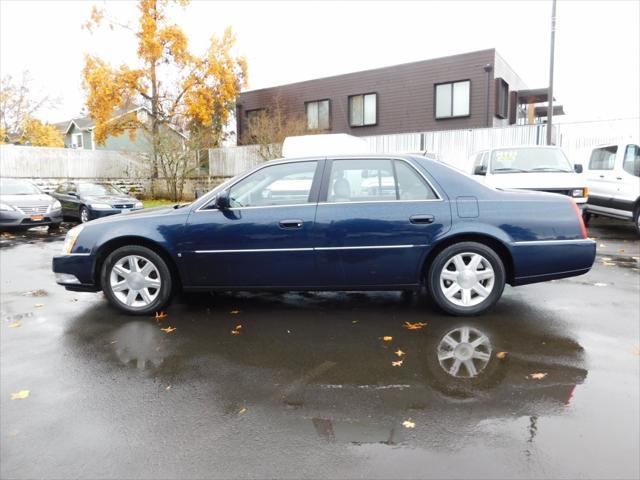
(86, 137)
(124, 143)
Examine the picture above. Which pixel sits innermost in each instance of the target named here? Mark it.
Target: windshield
(98, 189)
(18, 187)
(510, 160)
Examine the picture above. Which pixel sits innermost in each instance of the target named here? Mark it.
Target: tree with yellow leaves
(182, 90)
(38, 134)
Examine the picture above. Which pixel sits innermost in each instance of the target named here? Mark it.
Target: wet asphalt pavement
(307, 387)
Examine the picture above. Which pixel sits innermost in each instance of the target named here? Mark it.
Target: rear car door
(264, 239)
(375, 221)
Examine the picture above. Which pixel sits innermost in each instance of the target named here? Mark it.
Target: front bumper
(19, 219)
(93, 213)
(75, 272)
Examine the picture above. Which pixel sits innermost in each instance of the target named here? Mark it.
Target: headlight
(101, 206)
(6, 208)
(580, 192)
(138, 205)
(70, 239)
(56, 205)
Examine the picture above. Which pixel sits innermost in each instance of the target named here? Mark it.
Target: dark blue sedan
(89, 200)
(378, 222)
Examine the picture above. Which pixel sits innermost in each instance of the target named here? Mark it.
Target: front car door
(375, 221)
(627, 178)
(602, 179)
(264, 239)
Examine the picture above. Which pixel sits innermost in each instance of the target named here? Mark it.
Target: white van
(613, 178)
(542, 168)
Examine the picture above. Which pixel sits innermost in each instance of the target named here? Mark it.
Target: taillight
(580, 219)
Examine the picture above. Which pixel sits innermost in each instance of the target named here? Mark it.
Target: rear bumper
(18, 219)
(540, 261)
(77, 272)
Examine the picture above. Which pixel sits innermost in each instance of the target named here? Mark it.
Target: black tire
(443, 259)
(164, 291)
(54, 227)
(586, 217)
(84, 215)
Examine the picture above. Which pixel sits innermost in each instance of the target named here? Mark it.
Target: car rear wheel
(466, 278)
(84, 214)
(136, 280)
(636, 219)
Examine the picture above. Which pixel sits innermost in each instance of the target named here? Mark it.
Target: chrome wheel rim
(464, 352)
(135, 281)
(84, 215)
(467, 279)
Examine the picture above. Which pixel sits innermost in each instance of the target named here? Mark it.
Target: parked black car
(88, 200)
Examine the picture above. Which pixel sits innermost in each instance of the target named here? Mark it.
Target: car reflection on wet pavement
(321, 384)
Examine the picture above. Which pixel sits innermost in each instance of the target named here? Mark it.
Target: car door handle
(291, 223)
(618, 178)
(601, 176)
(421, 219)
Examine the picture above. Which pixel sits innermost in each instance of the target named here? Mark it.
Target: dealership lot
(319, 384)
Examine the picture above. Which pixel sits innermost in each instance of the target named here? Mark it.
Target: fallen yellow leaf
(537, 376)
(242, 410)
(235, 332)
(15, 324)
(408, 424)
(39, 305)
(21, 395)
(387, 338)
(161, 315)
(354, 321)
(501, 355)
(608, 264)
(397, 363)
(168, 387)
(168, 329)
(414, 326)
(238, 327)
(621, 250)
(234, 312)
(399, 353)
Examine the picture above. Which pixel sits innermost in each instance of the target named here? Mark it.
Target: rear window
(603, 158)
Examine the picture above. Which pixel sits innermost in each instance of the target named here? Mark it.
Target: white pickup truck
(542, 168)
(613, 177)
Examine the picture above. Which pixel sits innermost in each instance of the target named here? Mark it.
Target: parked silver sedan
(23, 205)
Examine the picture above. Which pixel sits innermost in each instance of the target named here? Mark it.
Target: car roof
(404, 156)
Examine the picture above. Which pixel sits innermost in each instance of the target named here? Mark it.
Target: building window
(363, 109)
(76, 140)
(252, 115)
(318, 115)
(453, 99)
(502, 98)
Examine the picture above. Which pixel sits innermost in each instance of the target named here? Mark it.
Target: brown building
(470, 90)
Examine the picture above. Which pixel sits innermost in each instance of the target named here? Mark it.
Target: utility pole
(550, 93)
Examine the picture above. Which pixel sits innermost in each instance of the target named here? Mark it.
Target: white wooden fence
(452, 146)
(42, 162)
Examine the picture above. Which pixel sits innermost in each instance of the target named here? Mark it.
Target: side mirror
(480, 170)
(222, 200)
(577, 167)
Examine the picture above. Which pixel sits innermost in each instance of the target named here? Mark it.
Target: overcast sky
(597, 42)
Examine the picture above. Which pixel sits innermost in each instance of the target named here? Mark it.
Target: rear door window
(603, 158)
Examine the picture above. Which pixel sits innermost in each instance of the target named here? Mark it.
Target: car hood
(110, 199)
(40, 198)
(537, 180)
(138, 215)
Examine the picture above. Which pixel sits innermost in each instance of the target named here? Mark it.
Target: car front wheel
(84, 214)
(136, 280)
(466, 278)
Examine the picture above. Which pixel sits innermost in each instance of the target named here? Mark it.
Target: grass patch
(159, 202)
